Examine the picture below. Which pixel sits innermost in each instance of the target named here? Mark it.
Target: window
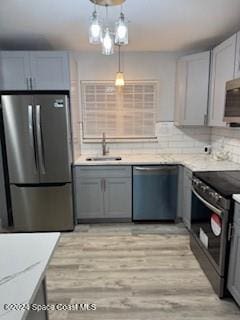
(122, 113)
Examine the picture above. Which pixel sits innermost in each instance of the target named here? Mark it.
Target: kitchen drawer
(237, 213)
(103, 171)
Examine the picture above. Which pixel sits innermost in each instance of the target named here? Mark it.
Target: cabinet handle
(205, 119)
(104, 184)
(27, 82)
(30, 83)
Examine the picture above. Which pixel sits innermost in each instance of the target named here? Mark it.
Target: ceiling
(155, 25)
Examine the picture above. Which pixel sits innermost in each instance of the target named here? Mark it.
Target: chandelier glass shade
(104, 35)
(121, 31)
(107, 43)
(95, 29)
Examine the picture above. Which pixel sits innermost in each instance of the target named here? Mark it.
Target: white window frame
(120, 139)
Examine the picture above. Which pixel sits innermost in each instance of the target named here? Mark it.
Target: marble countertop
(195, 162)
(236, 197)
(23, 262)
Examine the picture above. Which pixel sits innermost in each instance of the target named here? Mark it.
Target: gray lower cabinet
(234, 263)
(103, 192)
(3, 200)
(185, 195)
(118, 198)
(89, 198)
(40, 299)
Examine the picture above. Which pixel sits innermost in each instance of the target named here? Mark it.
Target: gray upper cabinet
(103, 192)
(50, 70)
(15, 70)
(222, 70)
(192, 80)
(234, 264)
(34, 70)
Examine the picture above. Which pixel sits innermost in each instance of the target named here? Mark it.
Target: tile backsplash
(170, 139)
(227, 139)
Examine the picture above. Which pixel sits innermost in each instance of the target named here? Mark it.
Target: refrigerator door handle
(31, 134)
(39, 139)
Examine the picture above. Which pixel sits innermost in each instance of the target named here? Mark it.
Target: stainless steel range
(211, 223)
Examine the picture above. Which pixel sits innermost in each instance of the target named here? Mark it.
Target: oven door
(209, 225)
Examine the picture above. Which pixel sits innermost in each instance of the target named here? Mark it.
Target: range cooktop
(226, 183)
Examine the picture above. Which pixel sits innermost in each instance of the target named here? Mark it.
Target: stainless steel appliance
(232, 102)
(211, 223)
(37, 145)
(154, 193)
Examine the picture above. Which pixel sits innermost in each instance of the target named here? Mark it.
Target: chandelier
(100, 31)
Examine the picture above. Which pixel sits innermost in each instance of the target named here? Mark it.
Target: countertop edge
(236, 197)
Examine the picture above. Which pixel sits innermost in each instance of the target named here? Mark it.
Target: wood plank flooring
(132, 272)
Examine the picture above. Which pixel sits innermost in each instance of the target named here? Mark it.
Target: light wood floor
(140, 272)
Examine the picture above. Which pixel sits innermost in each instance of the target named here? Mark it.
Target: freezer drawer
(42, 208)
(154, 193)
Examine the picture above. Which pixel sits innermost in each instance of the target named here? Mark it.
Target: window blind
(127, 112)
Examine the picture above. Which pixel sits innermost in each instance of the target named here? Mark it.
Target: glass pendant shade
(119, 82)
(95, 30)
(121, 31)
(107, 43)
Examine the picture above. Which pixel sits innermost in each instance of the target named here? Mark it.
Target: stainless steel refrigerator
(37, 141)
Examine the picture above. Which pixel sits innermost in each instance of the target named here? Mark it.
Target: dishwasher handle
(151, 169)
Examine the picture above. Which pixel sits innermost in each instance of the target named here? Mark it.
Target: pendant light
(105, 36)
(121, 30)
(95, 29)
(119, 82)
(107, 40)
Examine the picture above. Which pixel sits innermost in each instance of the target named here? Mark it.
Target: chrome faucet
(105, 150)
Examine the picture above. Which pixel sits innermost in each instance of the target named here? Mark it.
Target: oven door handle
(210, 206)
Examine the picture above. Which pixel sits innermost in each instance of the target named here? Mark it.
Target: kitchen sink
(104, 158)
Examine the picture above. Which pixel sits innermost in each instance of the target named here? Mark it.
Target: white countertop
(23, 262)
(195, 162)
(236, 197)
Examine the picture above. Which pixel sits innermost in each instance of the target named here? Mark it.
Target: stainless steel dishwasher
(155, 193)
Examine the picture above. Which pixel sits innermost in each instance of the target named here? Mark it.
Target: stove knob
(196, 181)
(217, 197)
(204, 188)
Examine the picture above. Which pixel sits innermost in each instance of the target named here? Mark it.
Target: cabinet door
(15, 70)
(237, 60)
(187, 197)
(3, 202)
(195, 110)
(192, 89)
(234, 265)
(180, 192)
(222, 70)
(50, 70)
(118, 198)
(89, 198)
(181, 77)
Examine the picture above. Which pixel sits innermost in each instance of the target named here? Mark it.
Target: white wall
(170, 139)
(227, 139)
(136, 66)
(144, 66)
